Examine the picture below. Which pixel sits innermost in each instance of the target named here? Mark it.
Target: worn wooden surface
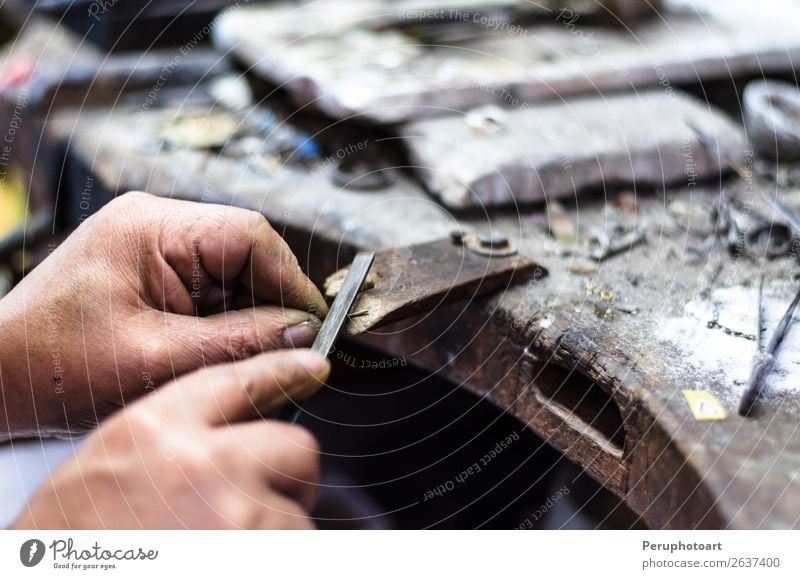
(593, 357)
(329, 57)
(493, 156)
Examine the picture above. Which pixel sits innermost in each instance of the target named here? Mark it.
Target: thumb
(246, 389)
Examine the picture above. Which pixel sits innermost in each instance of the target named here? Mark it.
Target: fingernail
(299, 336)
(313, 362)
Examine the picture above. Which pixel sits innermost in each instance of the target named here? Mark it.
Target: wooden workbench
(595, 362)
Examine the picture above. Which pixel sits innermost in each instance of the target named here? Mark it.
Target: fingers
(206, 244)
(285, 454)
(189, 342)
(272, 270)
(246, 389)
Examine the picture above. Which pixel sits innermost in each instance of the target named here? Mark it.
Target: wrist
(19, 414)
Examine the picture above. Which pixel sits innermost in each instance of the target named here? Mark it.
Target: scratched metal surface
(626, 335)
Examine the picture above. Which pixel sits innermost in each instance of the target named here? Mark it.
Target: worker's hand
(185, 457)
(110, 314)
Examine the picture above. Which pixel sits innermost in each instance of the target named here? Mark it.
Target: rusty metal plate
(407, 281)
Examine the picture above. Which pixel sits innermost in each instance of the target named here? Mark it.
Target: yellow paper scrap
(704, 405)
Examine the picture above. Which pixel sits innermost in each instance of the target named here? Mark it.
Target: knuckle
(123, 216)
(126, 203)
(154, 346)
(258, 221)
(232, 343)
(242, 342)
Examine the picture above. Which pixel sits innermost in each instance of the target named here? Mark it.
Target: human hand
(187, 456)
(110, 314)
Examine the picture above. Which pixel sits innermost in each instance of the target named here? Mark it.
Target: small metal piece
(489, 245)
(338, 314)
(491, 240)
(607, 248)
(769, 239)
(201, 131)
(486, 119)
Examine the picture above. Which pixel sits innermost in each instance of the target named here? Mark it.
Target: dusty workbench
(595, 352)
(593, 356)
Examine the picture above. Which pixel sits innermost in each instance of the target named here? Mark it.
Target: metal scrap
(201, 131)
(606, 247)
